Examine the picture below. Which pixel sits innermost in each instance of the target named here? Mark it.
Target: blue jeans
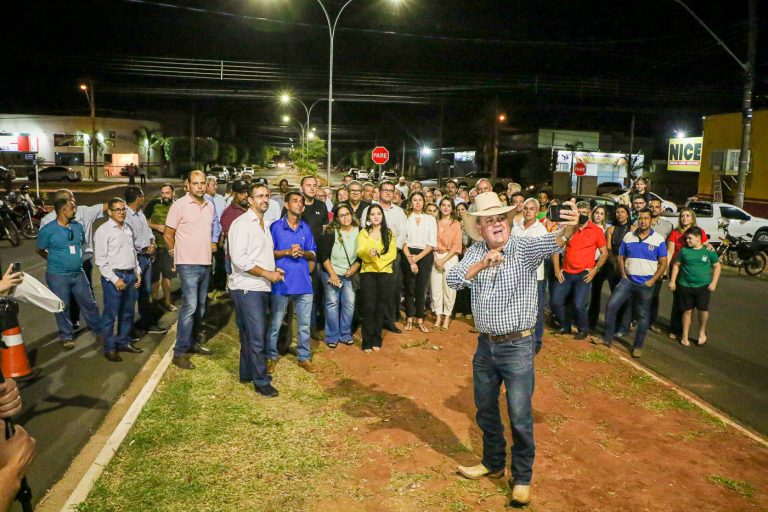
(339, 309)
(74, 286)
(538, 332)
(581, 295)
(146, 313)
(194, 287)
(251, 310)
(303, 306)
(641, 296)
(118, 305)
(511, 363)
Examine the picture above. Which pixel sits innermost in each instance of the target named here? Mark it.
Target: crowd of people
(389, 257)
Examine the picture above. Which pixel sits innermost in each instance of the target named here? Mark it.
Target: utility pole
(87, 88)
(748, 68)
(495, 163)
(403, 170)
(192, 137)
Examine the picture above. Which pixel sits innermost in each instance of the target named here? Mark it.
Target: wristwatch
(563, 236)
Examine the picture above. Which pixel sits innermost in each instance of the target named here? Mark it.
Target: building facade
(65, 140)
(721, 148)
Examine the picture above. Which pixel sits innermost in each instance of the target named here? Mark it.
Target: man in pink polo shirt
(189, 235)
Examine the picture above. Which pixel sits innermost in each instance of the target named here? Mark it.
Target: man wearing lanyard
(144, 242)
(120, 278)
(62, 243)
(191, 239)
(86, 216)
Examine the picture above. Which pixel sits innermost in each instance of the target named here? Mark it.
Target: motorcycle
(29, 212)
(8, 229)
(740, 252)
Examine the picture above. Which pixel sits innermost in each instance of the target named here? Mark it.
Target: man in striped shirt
(642, 262)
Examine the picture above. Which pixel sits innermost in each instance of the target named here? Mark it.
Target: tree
(227, 154)
(265, 154)
(306, 161)
(243, 153)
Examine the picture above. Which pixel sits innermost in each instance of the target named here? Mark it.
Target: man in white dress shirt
(250, 284)
(115, 256)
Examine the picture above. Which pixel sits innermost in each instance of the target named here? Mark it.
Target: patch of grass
(595, 356)
(206, 442)
(555, 421)
(640, 381)
(403, 451)
(743, 488)
(403, 482)
(668, 400)
(605, 382)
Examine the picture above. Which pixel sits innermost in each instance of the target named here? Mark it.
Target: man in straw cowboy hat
(501, 272)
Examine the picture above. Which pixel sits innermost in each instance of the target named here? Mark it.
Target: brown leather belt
(512, 336)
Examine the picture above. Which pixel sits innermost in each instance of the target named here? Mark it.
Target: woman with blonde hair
(449, 247)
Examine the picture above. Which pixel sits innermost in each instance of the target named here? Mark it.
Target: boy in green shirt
(694, 275)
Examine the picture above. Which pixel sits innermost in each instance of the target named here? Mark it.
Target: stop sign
(580, 169)
(380, 155)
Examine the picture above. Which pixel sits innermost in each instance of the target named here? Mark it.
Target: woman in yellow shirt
(377, 248)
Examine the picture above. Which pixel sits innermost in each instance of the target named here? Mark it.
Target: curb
(696, 401)
(110, 435)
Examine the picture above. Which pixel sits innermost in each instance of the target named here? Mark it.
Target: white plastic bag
(32, 291)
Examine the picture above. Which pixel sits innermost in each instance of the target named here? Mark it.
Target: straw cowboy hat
(486, 204)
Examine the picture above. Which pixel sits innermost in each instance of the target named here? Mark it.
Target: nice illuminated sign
(684, 154)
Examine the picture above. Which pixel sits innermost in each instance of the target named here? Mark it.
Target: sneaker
(478, 472)
(156, 329)
(468, 316)
(581, 335)
(267, 391)
(308, 366)
(620, 334)
(637, 352)
(520, 496)
(183, 362)
(67, 344)
(655, 328)
(75, 326)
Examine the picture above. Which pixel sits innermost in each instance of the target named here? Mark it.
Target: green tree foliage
(227, 154)
(176, 149)
(306, 161)
(243, 153)
(265, 154)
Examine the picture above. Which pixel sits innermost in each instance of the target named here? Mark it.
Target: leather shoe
(268, 391)
(521, 495)
(561, 331)
(183, 362)
(130, 349)
(581, 335)
(156, 329)
(308, 366)
(478, 472)
(199, 350)
(113, 356)
(271, 363)
(393, 328)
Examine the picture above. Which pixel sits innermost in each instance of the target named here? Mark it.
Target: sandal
(348, 342)
(422, 327)
(367, 350)
(376, 349)
(332, 345)
(702, 340)
(408, 325)
(685, 342)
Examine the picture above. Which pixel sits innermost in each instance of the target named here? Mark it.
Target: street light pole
(749, 82)
(90, 96)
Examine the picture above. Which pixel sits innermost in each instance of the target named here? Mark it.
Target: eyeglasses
(118, 210)
(344, 215)
(390, 190)
(70, 234)
(355, 191)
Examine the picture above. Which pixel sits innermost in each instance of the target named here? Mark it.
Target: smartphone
(554, 212)
(15, 267)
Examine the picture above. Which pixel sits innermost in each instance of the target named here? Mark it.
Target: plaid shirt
(504, 297)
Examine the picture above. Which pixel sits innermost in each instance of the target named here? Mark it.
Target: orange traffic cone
(13, 358)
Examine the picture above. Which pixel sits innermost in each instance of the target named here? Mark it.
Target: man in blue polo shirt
(294, 253)
(61, 242)
(642, 261)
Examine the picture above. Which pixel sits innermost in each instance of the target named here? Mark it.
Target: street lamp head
(680, 134)
(311, 136)
(425, 151)
(83, 87)
(285, 98)
(286, 119)
(314, 129)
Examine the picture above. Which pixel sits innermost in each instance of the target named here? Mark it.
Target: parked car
(389, 175)
(56, 173)
(666, 206)
(741, 223)
(221, 173)
(471, 178)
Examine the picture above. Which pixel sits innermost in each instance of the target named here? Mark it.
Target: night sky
(587, 64)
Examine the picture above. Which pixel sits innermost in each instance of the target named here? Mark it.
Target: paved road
(731, 370)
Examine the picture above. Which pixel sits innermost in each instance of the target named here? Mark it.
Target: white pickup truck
(708, 215)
